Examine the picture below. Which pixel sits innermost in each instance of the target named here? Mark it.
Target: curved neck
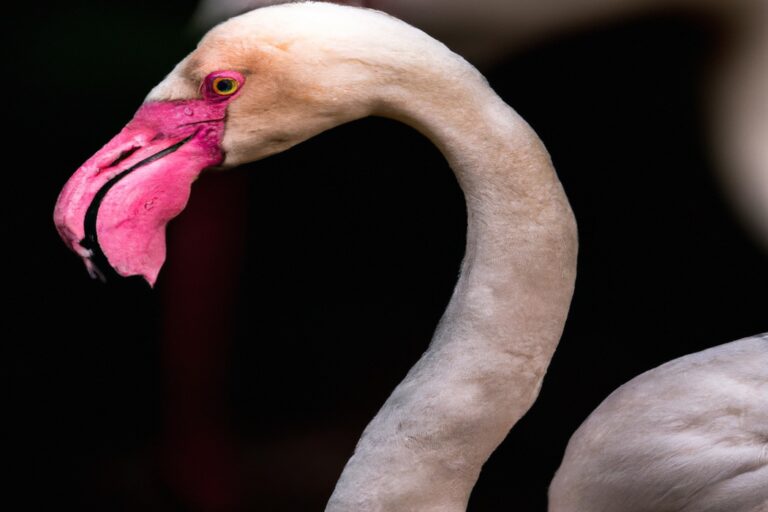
(424, 449)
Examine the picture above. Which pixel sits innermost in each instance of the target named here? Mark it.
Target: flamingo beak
(114, 209)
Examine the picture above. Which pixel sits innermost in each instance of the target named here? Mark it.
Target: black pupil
(225, 85)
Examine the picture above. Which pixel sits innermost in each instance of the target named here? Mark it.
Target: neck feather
(483, 370)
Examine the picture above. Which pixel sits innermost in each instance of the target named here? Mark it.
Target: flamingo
(269, 79)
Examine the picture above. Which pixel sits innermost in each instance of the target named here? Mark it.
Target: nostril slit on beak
(122, 156)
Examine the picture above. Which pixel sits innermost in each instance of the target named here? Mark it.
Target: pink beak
(114, 209)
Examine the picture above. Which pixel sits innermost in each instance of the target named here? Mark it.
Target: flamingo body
(690, 435)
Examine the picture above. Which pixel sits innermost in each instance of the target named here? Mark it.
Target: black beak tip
(96, 262)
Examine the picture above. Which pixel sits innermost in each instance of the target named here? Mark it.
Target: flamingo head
(256, 85)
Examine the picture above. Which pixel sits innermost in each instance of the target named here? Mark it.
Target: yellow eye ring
(225, 86)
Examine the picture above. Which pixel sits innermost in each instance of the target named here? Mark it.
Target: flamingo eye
(224, 86)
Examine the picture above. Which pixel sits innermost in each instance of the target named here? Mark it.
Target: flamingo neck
(483, 369)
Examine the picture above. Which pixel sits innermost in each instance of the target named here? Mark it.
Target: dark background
(352, 248)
